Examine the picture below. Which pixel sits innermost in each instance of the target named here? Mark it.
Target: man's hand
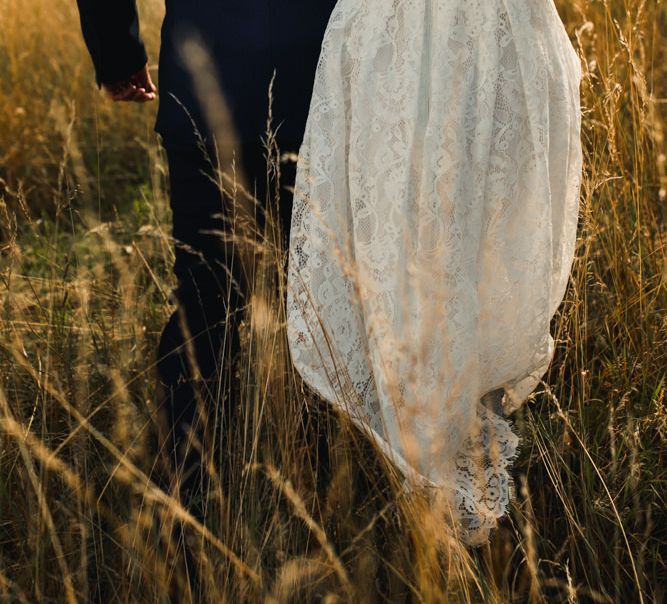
(138, 88)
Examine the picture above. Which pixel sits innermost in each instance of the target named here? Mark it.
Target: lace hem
(484, 487)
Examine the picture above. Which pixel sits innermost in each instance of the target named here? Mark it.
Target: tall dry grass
(301, 509)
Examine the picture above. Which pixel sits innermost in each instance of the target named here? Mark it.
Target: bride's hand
(138, 88)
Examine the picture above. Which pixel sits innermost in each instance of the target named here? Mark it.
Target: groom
(247, 40)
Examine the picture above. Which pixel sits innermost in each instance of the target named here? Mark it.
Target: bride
(433, 230)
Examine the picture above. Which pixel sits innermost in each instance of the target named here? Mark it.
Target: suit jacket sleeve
(111, 31)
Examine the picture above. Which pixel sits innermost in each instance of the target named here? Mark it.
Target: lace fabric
(433, 229)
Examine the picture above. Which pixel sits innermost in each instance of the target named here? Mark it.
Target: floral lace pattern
(433, 228)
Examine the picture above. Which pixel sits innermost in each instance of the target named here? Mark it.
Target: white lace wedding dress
(433, 230)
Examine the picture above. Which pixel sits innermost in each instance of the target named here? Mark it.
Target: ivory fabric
(433, 230)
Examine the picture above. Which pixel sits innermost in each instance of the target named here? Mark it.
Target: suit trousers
(200, 340)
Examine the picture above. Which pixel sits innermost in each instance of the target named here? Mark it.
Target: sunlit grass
(300, 505)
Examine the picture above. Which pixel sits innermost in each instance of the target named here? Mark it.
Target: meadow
(85, 271)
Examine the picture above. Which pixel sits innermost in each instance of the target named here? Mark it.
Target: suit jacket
(246, 39)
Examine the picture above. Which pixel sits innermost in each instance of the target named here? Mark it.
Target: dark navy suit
(247, 40)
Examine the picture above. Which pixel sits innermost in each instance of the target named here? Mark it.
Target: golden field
(85, 260)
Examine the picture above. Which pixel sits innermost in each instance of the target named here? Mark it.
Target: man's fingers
(143, 97)
(132, 94)
(148, 96)
(143, 79)
(138, 88)
(144, 82)
(122, 92)
(137, 94)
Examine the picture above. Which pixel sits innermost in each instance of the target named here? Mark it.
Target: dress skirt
(433, 230)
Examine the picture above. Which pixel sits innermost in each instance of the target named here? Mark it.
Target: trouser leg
(200, 339)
